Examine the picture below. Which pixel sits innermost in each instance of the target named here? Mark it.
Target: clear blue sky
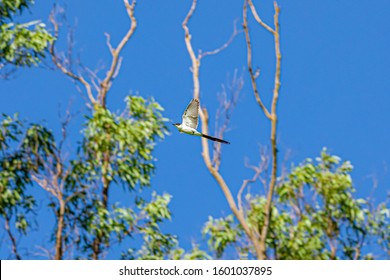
(335, 90)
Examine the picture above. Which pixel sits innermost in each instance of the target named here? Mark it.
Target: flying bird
(190, 122)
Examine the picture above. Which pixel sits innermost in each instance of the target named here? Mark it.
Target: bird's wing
(190, 116)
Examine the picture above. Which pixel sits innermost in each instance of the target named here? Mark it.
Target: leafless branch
(224, 46)
(7, 72)
(253, 75)
(195, 61)
(359, 246)
(225, 111)
(65, 67)
(258, 19)
(258, 170)
(274, 150)
(95, 80)
(45, 252)
(70, 43)
(260, 174)
(108, 42)
(115, 52)
(65, 120)
(12, 238)
(44, 184)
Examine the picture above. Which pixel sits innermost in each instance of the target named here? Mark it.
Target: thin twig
(258, 170)
(108, 42)
(224, 46)
(226, 109)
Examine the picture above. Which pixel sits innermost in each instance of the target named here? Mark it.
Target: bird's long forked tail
(215, 139)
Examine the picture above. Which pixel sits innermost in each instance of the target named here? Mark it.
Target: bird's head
(176, 124)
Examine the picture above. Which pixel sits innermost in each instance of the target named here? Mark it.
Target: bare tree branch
(63, 66)
(274, 121)
(258, 19)
(12, 238)
(224, 46)
(45, 253)
(225, 111)
(115, 52)
(250, 67)
(258, 170)
(195, 61)
(108, 42)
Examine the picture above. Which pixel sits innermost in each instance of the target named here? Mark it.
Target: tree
(116, 151)
(309, 213)
(314, 216)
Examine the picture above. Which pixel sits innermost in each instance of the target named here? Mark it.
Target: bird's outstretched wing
(190, 116)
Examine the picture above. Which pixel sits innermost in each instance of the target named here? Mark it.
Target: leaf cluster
(315, 215)
(15, 171)
(21, 44)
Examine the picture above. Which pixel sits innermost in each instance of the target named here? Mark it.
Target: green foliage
(222, 232)
(14, 175)
(322, 211)
(39, 145)
(145, 223)
(21, 44)
(10, 7)
(24, 151)
(156, 245)
(380, 226)
(194, 254)
(314, 216)
(119, 147)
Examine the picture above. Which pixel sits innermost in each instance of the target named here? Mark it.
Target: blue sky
(335, 89)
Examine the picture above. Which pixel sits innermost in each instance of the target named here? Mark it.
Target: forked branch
(270, 114)
(115, 52)
(104, 85)
(252, 74)
(205, 146)
(64, 67)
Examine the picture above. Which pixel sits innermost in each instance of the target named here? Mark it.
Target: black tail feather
(215, 139)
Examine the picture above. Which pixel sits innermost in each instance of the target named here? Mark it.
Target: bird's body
(190, 122)
(187, 130)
